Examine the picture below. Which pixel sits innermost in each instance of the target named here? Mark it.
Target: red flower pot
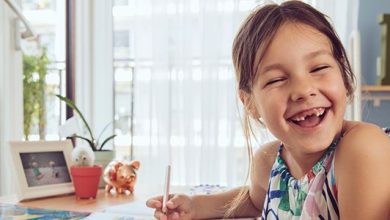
(86, 181)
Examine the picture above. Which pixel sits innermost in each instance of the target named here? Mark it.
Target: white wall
(11, 96)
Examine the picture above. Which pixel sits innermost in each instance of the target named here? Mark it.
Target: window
(123, 88)
(122, 44)
(44, 69)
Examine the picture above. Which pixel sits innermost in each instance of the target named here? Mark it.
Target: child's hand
(179, 206)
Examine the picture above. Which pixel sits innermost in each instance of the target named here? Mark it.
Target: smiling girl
(294, 78)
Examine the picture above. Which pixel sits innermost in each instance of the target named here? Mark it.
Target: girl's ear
(249, 105)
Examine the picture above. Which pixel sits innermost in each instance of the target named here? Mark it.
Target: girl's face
(299, 90)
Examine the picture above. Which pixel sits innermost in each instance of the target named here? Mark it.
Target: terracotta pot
(86, 181)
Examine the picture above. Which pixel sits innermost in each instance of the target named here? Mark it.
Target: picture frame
(42, 168)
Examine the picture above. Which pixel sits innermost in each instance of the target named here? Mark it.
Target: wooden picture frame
(42, 168)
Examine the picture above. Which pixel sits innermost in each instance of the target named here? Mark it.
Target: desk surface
(102, 201)
(71, 203)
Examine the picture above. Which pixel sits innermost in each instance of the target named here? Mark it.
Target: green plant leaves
(91, 144)
(34, 92)
(90, 141)
(107, 139)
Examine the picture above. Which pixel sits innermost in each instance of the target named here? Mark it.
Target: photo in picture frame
(42, 168)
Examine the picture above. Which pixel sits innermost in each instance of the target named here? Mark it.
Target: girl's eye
(318, 69)
(273, 81)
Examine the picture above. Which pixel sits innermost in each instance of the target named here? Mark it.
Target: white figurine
(83, 155)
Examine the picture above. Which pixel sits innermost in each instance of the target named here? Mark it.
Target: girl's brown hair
(252, 41)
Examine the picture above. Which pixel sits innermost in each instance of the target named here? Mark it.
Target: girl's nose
(302, 89)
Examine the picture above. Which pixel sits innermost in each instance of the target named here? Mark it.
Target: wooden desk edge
(71, 203)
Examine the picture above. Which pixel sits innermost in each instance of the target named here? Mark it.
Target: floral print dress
(312, 197)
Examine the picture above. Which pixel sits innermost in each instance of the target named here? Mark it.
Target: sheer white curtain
(185, 102)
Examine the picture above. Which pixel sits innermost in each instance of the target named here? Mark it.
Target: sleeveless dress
(314, 196)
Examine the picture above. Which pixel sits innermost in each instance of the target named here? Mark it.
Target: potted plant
(84, 173)
(102, 156)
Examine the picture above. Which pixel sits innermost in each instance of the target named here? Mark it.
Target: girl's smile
(308, 118)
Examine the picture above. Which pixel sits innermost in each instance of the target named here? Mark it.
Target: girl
(294, 78)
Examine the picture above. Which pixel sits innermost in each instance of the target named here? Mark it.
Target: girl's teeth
(321, 111)
(317, 112)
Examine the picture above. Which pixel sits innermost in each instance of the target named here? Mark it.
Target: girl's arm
(362, 177)
(216, 205)
(252, 204)
(181, 206)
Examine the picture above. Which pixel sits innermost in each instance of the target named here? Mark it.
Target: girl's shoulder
(264, 156)
(357, 135)
(360, 167)
(362, 141)
(263, 159)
